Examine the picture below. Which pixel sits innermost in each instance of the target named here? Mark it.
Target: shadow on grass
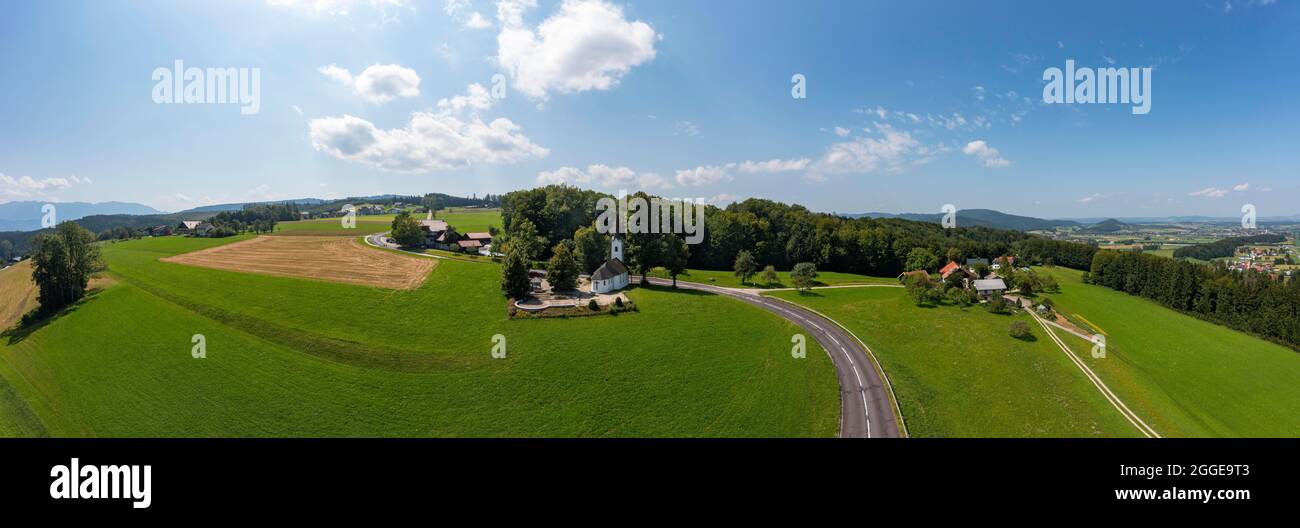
(669, 288)
(1027, 338)
(35, 320)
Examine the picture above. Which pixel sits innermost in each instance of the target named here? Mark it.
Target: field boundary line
(1114, 400)
(875, 362)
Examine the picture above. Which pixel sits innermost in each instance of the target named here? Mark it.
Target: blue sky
(910, 105)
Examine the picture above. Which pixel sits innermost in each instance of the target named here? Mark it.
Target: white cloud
(1091, 198)
(989, 155)
(585, 45)
(721, 199)
(1241, 187)
(842, 132)
(476, 98)
(892, 151)
(379, 83)
(297, 109)
(714, 174)
(1209, 192)
(27, 187)
(774, 165)
(705, 175)
(461, 11)
(429, 142)
(603, 176)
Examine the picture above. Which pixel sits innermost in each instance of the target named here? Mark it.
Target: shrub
(1019, 330)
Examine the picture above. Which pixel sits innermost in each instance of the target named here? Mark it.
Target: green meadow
(1184, 376)
(464, 220)
(292, 357)
(957, 372)
(730, 280)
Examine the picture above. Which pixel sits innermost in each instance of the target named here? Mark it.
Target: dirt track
(327, 258)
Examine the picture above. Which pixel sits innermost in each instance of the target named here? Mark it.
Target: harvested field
(327, 258)
(17, 293)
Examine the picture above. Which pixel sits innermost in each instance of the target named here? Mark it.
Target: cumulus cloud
(705, 175)
(26, 186)
(585, 45)
(713, 174)
(891, 151)
(1241, 187)
(989, 155)
(603, 176)
(453, 137)
(476, 98)
(379, 83)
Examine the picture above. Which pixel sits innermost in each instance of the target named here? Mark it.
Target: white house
(612, 275)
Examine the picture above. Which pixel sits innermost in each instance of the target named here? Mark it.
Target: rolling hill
(979, 218)
(26, 215)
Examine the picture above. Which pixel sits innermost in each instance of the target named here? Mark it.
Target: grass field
(729, 279)
(957, 372)
(292, 357)
(464, 220)
(1184, 376)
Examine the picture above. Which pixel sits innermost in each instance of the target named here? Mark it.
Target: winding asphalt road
(865, 408)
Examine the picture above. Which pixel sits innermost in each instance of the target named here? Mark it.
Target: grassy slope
(289, 357)
(1184, 376)
(958, 374)
(729, 278)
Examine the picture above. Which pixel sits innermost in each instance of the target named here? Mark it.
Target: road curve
(865, 407)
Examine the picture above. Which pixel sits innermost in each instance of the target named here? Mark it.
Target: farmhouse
(469, 246)
(990, 287)
(482, 238)
(613, 274)
(187, 226)
(435, 232)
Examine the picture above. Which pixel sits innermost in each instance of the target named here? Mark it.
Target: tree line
(1226, 247)
(783, 235)
(1248, 301)
(252, 218)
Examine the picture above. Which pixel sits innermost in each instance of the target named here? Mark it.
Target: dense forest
(1225, 247)
(1251, 302)
(783, 235)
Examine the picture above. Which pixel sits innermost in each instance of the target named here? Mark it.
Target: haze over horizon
(674, 98)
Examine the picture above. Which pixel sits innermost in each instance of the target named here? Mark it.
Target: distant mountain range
(979, 217)
(217, 208)
(1000, 220)
(26, 215)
